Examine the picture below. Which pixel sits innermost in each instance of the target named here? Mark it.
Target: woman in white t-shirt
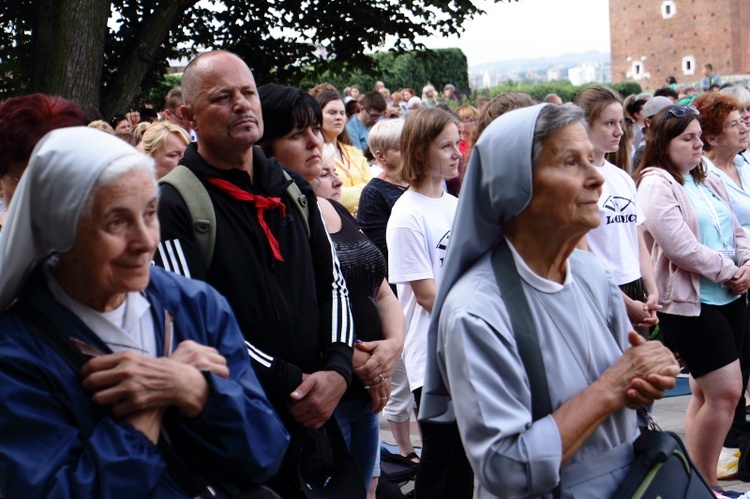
(417, 236)
(618, 241)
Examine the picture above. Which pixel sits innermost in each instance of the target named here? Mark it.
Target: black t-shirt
(375, 205)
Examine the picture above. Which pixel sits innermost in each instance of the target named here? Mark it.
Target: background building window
(688, 65)
(637, 70)
(667, 9)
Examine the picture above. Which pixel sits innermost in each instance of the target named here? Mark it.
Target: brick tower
(653, 39)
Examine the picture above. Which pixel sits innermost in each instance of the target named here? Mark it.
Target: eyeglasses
(375, 115)
(17, 179)
(680, 112)
(179, 118)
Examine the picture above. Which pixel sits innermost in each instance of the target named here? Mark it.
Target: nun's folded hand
(642, 374)
(128, 382)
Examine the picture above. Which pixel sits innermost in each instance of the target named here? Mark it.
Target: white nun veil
(497, 187)
(43, 214)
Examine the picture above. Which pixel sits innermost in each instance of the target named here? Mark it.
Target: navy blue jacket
(55, 442)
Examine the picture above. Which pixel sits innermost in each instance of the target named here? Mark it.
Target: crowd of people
(218, 300)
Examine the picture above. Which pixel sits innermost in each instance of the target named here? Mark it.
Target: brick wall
(703, 31)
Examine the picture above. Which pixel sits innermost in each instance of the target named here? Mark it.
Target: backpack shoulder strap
(199, 205)
(299, 200)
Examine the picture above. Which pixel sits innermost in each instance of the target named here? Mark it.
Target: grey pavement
(669, 414)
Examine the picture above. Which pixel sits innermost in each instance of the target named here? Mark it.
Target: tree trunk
(131, 71)
(69, 37)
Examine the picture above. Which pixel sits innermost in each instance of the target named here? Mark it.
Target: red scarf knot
(262, 203)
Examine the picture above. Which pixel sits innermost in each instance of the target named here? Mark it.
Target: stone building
(654, 39)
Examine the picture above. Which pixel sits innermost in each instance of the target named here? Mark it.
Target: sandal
(411, 457)
(402, 460)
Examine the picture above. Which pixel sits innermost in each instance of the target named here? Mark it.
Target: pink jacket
(673, 238)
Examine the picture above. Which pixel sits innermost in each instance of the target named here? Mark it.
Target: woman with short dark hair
(291, 128)
(378, 321)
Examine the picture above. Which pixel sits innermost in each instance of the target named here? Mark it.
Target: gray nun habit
(497, 187)
(46, 206)
(581, 322)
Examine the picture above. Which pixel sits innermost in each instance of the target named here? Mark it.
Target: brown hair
(323, 99)
(173, 101)
(497, 107)
(322, 87)
(658, 136)
(373, 101)
(594, 99)
(714, 108)
(467, 113)
(421, 128)
(621, 157)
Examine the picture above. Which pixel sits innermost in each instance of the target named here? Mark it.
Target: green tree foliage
(539, 91)
(156, 94)
(66, 47)
(626, 88)
(415, 69)
(412, 69)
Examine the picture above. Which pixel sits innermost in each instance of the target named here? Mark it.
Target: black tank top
(364, 268)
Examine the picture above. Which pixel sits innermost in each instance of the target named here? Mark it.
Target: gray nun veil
(497, 187)
(44, 212)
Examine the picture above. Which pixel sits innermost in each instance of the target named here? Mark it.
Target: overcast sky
(531, 28)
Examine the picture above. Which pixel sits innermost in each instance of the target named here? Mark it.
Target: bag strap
(524, 332)
(41, 325)
(522, 324)
(199, 205)
(299, 201)
(48, 331)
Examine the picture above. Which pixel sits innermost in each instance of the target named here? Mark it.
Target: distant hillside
(523, 65)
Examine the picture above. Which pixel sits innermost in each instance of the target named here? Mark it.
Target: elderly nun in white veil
(102, 355)
(531, 184)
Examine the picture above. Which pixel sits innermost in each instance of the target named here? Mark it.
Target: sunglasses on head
(680, 112)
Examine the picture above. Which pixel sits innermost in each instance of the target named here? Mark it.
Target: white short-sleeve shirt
(615, 241)
(417, 235)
